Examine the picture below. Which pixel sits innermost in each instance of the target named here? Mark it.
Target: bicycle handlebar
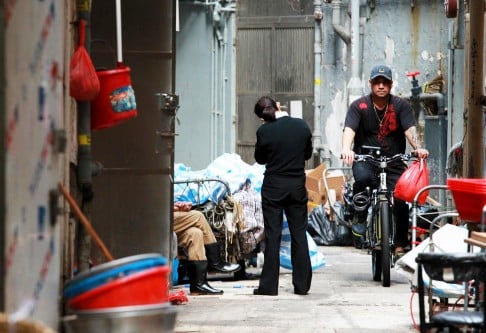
(381, 158)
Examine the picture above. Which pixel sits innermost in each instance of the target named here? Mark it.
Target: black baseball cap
(381, 70)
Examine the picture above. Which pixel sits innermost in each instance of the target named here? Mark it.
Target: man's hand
(347, 156)
(421, 153)
(182, 206)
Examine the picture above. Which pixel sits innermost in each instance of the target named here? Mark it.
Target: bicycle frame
(379, 195)
(380, 229)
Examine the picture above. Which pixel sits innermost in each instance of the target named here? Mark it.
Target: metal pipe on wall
(437, 97)
(355, 85)
(317, 134)
(336, 22)
(362, 23)
(84, 169)
(456, 73)
(213, 111)
(233, 88)
(223, 87)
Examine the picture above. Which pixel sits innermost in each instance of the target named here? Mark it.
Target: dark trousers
(289, 195)
(366, 174)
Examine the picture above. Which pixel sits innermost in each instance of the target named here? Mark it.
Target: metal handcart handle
(415, 208)
(324, 179)
(202, 180)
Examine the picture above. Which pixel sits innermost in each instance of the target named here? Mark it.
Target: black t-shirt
(364, 120)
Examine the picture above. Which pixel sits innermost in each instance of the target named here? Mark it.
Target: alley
(343, 299)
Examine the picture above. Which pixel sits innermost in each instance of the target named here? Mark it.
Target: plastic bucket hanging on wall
(116, 101)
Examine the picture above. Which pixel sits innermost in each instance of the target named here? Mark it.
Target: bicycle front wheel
(376, 264)
(385, 242)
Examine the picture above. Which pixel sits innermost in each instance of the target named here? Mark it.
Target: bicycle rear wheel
(385, 243)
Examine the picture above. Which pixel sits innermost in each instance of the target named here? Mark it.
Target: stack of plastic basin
(469, 197)
(133, 289)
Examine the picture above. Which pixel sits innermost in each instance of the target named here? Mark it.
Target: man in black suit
(283, 145)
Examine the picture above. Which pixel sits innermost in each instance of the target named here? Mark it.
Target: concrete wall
(406, 35)
(205, 82)
(35, 35)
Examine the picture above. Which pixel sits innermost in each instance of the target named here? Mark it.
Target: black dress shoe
(261, 292)
(203, 289)
(224, 267)
(298, 292)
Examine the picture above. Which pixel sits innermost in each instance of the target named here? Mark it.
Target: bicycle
(380, 226)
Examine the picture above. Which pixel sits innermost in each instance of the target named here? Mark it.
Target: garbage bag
(325, 231)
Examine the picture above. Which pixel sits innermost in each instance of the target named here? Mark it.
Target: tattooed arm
(412, 137)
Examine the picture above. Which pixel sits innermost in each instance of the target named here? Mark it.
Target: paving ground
(343, 299)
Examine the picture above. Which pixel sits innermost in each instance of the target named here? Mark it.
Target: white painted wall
(34, 111)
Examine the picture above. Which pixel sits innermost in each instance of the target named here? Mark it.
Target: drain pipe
(351, 39)
(355, 85)
(437, 97)
(336, 22)
(418, 96)
(84, 170)
(317, 135)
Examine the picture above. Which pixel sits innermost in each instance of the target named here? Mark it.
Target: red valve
(413, 74)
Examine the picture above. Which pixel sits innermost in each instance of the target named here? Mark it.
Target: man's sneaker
(358, 227)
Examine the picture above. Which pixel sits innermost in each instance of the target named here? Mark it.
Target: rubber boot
(199, 285)
(215, 263)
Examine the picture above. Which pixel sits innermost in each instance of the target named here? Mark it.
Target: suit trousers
(287, 195)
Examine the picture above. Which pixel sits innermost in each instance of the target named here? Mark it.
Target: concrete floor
(343, 299)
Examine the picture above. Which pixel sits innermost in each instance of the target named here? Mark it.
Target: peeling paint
(335, 123)
(389, 50)
(427, 56)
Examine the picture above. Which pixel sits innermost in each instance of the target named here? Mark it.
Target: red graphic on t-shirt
(363, 106)
(389, 123)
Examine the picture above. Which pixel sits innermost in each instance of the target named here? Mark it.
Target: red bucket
(116, 101)
(150, 286)
(469, 196)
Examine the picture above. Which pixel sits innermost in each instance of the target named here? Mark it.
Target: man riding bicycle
(383, 120)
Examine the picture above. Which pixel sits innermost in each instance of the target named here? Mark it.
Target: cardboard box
(335, 180)
(315, 185)
(313, 180)
(316, 197)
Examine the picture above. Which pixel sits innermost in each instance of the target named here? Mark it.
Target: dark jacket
(284, 145)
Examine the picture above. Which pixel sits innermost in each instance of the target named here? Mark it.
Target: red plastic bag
(84, 84)
(178, 297)
(411, 181)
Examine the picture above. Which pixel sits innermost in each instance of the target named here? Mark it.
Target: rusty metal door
(275, 57)
(132, 205)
